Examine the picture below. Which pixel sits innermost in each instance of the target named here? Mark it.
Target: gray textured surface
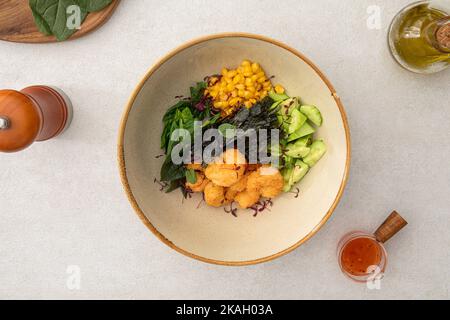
(61, 202)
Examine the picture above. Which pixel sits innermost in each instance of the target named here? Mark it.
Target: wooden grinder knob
(393, 224)
(36, 113)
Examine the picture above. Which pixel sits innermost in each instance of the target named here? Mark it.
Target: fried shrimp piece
(247, 198)
(214, 195)
(228, 169)
(199, 185)
(267, 180)
(195, 166)
(271, 182)
(239, 186)
(253, 167)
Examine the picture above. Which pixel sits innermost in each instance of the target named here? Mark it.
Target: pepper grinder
(36, 113)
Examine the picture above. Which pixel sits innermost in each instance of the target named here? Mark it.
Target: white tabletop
(63, 211)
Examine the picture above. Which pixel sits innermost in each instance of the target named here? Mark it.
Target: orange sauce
(359, 254)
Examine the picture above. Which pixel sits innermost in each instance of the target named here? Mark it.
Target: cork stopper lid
(443, 36)
(20, 121)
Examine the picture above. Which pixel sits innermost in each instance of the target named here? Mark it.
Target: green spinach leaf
(51, 16)
(191, 176)
(171, 172)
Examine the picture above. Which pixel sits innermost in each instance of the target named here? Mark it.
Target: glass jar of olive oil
(419, 36)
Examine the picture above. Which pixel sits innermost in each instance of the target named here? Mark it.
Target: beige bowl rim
(121, 156)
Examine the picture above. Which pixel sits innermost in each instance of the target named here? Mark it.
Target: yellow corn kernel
(240, 86)
(241, 93)
(223, 84)
(240, 70)
(237, 78)
(248, 94)
(248, 104)
(261, 80)
(254, 77)
(251, 89)
(224, 72)
(261, 74)
(253, 101)
(231, 73)
(230, 87)
(218, 105)
(224, 97)
(213, 94)
(213, 80)
(256, 67)
(279, 89)
(246, 63)
(233, 102)
(248, 82)
(225, 104)
(234, 93)
(228, 112)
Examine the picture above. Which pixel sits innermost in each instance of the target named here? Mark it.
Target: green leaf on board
(52, 16)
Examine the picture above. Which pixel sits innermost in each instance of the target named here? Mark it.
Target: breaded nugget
(199, 185)
(196, 167)
(214, 195)
(239, 186)
(267, 180)
(247, 198)
(228, 169)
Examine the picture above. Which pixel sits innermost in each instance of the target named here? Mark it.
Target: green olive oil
(414, 40)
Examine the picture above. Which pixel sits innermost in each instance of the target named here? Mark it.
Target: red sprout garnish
(261, 206)
(296, 192)
(201, 201)
(231, 210)
(162, 184)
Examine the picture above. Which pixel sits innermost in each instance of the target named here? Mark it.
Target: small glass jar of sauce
(362, 256)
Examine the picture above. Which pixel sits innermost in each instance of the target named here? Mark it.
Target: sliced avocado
(299, 172)
(289, 162)
(275, 150)
(297, 120)
(305, 130)
(313, 114)
(280, 119)
(297, 150)
(278, 97)
(275, 105)
(288, 106)
(287, 174)
(318, 149)
(305, 141)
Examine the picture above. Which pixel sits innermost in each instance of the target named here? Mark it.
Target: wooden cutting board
(17, 23)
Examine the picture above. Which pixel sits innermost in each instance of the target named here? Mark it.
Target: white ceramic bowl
(209, 234)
